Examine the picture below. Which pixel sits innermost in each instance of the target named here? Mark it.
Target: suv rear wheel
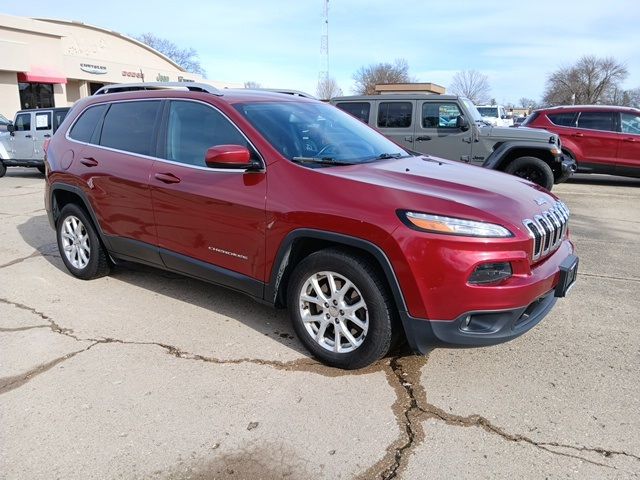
(3, 169)
(532, 169)
(340, 309)
(79, 245)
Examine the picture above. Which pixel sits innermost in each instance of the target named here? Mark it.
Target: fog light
(490, 273)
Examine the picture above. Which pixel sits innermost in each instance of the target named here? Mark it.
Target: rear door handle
(424, 138)
(47, 135)
(89, 162)
(629, 139)
(27, 136)
(167, 178)
(577, 134)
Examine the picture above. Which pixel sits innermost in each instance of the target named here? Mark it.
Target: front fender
(498, 156)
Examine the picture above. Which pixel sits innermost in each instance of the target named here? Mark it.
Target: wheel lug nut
(341, 312)
(326, 305)
(335, 302)
(328, 316)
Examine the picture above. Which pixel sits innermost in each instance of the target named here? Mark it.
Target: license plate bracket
(568, 276)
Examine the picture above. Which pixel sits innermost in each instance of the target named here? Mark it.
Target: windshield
(473, 111)
(315, 132)
(488, 111)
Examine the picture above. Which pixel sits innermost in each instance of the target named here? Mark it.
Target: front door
(395, 120)
(629, 146)
(437, 133)
(22, 138)
(597, 137)
(210, 222)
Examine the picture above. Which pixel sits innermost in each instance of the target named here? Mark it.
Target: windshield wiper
(384, 156)
(322, 160)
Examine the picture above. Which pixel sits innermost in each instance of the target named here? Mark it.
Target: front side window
(83, 129)
(23, 122)
(43, 121)
(395, 114)
(440, 115)
(565, 119)
(631, 123)
(129, 126)
(360, 110)
(194, 128)
(489, 112)
(597, 121)
(316, 132)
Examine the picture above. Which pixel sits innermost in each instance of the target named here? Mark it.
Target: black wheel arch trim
(496, 159)
(284, 251)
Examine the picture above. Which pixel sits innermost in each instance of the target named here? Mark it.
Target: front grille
(548, 230)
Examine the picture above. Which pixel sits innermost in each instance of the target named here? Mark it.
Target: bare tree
(624, 98)
(590, 80)
(252, 84)
(471, 84)
(528, 103)
(187, 58)
(328, 88)
(367, 78)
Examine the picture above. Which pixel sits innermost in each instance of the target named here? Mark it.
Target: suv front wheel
(341, 309)
(79, 245)
(532, 169)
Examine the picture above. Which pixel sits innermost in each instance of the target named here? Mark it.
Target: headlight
(453, 226)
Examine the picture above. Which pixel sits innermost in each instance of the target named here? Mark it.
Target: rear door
(210, 215)
(22, 138)
(395, 119)
(43, 130)
(629, 147)
(437, 134)
(596, 134)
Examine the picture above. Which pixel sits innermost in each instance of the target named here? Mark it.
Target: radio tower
(324, 44)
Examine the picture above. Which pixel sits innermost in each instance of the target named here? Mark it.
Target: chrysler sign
(95, 69)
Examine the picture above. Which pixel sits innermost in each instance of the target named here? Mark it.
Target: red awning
(41, 75)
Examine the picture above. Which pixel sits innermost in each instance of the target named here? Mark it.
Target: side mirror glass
(228, 156)
(11, 128)
(462, 123)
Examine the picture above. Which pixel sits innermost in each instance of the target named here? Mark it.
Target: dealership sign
(95, 69)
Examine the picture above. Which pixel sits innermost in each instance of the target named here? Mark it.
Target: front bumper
(568, 167)
(476, 329)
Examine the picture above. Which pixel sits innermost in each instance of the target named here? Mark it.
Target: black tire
(98, 262)
(3, 169)
(42, 169)
(376, 342)
(532, 169)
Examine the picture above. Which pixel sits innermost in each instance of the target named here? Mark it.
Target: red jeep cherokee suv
(298, 204)
(600, 138)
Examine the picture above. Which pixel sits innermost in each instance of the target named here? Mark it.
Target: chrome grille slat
(547, 230)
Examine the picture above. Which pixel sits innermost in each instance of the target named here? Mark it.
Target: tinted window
(58, 117)
(530, 119)
(129, 126)
(631, 123)
(440, 115)
(565, 119)
(23, 122)
(597, 121)
(194, 128)
(83, 129)
(395, 114)
(43, 121)
(360, 110)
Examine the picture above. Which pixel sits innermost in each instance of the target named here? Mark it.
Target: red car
(601, 138)
(298, 204)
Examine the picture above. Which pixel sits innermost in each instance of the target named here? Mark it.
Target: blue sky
(277, 43)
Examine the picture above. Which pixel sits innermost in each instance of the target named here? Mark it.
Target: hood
(521, 133)
(445, 187)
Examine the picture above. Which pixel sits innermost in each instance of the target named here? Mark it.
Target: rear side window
(565, 119)
(360, 110)
(83, 129)
(129, 126)
(58, 117)
(440, 115)
(43, 121)
(23, 122)
(194, 128)
(597, 121)
(395, 114)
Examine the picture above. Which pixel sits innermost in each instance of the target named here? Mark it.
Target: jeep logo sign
(95, 69)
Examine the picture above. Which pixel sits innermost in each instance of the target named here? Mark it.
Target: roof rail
(130, 87)
(286, 91)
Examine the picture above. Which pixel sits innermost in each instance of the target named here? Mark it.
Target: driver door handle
(89, 162)
(27, 136)
(167, 178)
(423, 138)
(577, 134)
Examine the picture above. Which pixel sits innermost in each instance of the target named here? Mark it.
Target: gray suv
(451, 127)
(22, 145)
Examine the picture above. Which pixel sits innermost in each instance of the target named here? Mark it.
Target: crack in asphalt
(33, 254)
(411, 407)
(21, 329)
(609, 277)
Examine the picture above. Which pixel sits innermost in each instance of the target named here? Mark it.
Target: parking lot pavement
(145, 374)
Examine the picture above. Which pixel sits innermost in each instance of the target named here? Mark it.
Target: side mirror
(462, 123)
(11, 128)
(228, 156)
